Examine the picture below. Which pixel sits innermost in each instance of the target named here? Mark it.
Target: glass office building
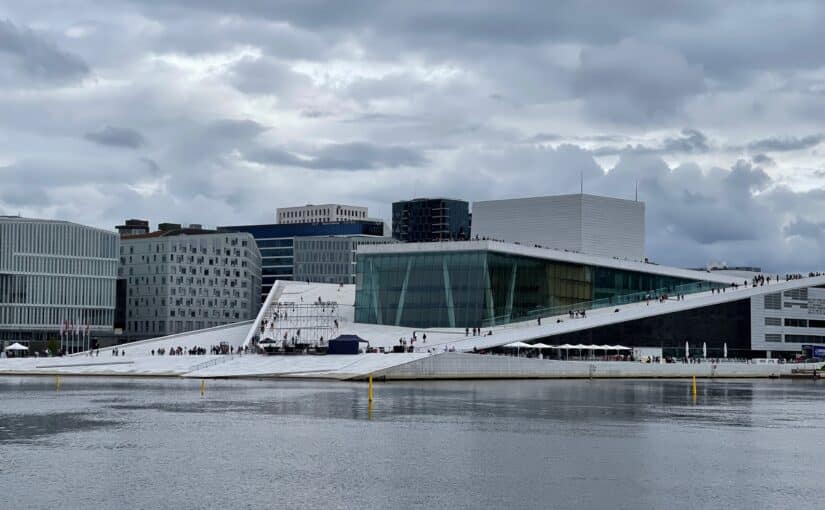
(424, 220)
(476, 288)
(55, 276)
(276, 243)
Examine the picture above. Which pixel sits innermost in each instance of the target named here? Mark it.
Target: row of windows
(54, 317)
(795, 339)
(795, 323)
(322, 213)
(63, 265)
(50, 290)
(170, 327)
(302, 271)
(54, 238)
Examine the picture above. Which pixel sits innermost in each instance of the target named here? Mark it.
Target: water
(118, 443)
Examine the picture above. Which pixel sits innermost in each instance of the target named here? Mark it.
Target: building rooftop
(547, 253)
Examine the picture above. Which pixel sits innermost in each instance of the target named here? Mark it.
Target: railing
(623, 299)
(211, 363)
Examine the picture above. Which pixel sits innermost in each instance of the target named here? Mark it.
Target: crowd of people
(221, 348)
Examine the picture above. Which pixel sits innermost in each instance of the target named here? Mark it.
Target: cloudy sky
(218, 112)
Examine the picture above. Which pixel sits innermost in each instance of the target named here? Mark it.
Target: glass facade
(715, 325)
(276, 242)
(482, 288)
(430, 219)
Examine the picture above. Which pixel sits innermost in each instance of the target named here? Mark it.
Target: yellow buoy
(369, 391)
(694, 386)
(203, 387)
(57, 382)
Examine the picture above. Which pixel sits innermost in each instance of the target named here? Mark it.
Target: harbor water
(118, 443)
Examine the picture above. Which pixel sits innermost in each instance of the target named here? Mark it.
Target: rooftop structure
(323, 213)
(430, 219)
(582, 223)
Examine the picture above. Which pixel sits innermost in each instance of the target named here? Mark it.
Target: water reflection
(158, 443)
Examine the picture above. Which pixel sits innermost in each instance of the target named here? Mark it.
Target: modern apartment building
(589, 224)
(324, 213)
(430, 219)
(55, 276)
(182, 279)
(330, 259)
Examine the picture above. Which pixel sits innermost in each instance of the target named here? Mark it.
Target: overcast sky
(218, 112)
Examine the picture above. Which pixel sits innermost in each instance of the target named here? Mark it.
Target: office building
(330, 259)
(430, 219)
(57, 281)
(276, 243)
(588, 224)
(181, 279)
(324, 213)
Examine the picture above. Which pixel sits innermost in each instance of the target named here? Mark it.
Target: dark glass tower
(424, 220)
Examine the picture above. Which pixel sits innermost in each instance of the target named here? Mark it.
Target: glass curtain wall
(480, 288)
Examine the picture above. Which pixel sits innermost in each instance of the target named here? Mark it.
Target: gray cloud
(38, 60)
(116, 137)
(689, 141)
(635, 82)
(343, 156)
(251, 105)
(763, 160)
(692, 141)
(784, 144)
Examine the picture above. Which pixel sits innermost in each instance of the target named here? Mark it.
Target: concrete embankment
(476, 366)
(411, 366)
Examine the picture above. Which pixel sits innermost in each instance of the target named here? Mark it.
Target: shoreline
(392, 367)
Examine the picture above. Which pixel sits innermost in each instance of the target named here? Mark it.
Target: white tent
(519, 345)
(621, 348)
(542, 346)
(16, 347)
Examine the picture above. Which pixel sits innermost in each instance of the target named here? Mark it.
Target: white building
(582, 223)
(330, 259)
(55, 275)
(182, 280)
(323, 213)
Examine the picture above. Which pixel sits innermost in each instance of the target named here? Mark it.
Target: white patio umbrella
(725, 349)
(16, 347)
(566, 348)
(541, 346)
(687, 349)
(704, 349)
(518, 346)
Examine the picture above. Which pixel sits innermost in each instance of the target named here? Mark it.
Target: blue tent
(345, 344)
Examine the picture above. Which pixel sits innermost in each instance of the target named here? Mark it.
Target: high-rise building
(430, 219)
(57, 281)
(182, 279)
(589, 224)
(324, 213)
(276, 243)
(330, 259)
